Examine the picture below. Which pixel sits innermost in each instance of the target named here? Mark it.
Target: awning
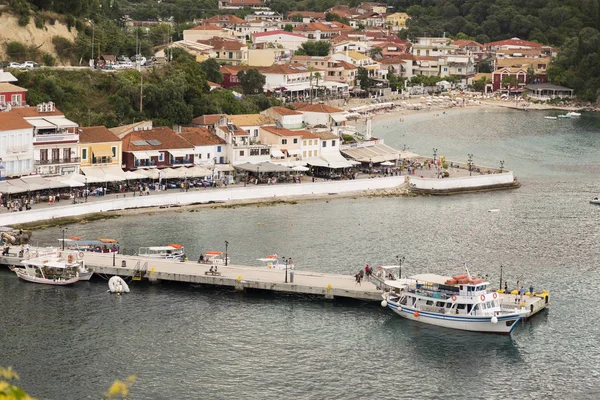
(375, 154)
(295, 152)
(140, 155)
(198, 171)
(6, 187)
(339, 117)
(114, 170)
(331, 160)
(61, 122)
(153, 153)
(40, 123)
(224, 167)
(277, 153)
(99, 175)
(134, 175)
(181, 153)
(102, 152)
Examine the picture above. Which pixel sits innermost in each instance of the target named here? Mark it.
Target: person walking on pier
(530, 290)
(357, 277)
(505, 287)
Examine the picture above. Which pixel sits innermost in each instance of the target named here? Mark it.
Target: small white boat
(441, 301)
(595, 200)
(550, 117)
(273, 261)
(169, 252)
(101, 245)
(564, 116)
(116, 284)
(52, 269)
(213, 257)
(573, 114)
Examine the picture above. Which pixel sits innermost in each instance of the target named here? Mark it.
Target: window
(333, 143)
(114, 151)
(254, 152)
(199, 156)
(44, 154)
(283, 141)
(2, 98)
(218, 149)
(241, 153)
(16, 98)
(460, 70)
(55, 154)
(83, 154)
(230, 54)
(208, 156)
(304, 142)
(67, 155)
(248, 131)
(256, 133)
(310, 153)
(304, 154)
(429, 302)
(295, 140)
(161, 157)
(324, 144)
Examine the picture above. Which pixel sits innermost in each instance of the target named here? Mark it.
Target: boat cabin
(169, 251)
(97, 246)
(213, 257)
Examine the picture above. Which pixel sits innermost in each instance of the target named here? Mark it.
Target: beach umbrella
(134, 175)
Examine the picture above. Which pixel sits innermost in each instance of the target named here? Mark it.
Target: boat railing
(438, 310)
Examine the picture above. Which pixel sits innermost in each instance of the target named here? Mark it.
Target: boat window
(429, 302)
(469, 289)
(488, 304)
(483, 307)
(461, 306)
(469, 306)
(448, 305)
(440, 304)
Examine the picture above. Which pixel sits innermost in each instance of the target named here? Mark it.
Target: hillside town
(364, 58)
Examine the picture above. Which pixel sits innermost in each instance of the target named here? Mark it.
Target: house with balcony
(227, 21)
(240, 4)
(206, 32)
(289, 40)
(55, 140)
(251, 123)
(288, 80)
(360, 60)
(209, 149)
(16, 145)
(156, 148)
(99, 151)
(12, 95)
(227, 50)
(286, 144)
(244, 32)
(322, 30)
(331, 70)
(209, 121)
(240, 149)
(321, 115)
(311, 145)
(286, 118)
(396, 21)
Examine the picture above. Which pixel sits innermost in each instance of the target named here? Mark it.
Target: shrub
(49, 59)
(16, 51)
(24, 20)
(70, 22)
(63, 47)
(39, 21)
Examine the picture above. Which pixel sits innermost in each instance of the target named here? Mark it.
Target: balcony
(185, 161)
(101, 160)
(144, 163)
(55, 137)
(72, 160)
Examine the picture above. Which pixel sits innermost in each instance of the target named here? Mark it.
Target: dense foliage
(173, 94)
(318, 48)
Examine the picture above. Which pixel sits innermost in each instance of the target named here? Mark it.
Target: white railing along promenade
(203, 195)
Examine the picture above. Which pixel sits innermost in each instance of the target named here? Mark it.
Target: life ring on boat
(70, 258)
(81, 254)
(482, 297)
(495, 295)
(453, 297)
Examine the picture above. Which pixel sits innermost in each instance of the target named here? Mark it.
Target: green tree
(509, 81)
(362, 76)
(251, 81)
(288, 28)
(318, 48)
(212, 69)
(376, 53)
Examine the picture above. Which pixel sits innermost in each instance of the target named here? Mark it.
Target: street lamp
(86, 194)
(400, 261)
(434, 154)
(501, 166)
(470, 163)
(286, 268)
(63, 237)
(500, 287)
(226, 244)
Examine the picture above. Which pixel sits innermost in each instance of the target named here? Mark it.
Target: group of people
(520, 291)
(17, 205)
(360, 275)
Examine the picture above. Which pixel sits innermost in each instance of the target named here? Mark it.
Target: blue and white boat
(441, 301)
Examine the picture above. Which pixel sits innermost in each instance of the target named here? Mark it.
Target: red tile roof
(227, 18)
(282, 70)
(277, 32)
(463, 43)
(200, 136)
(33, 112)
(319, 108)
(281, 131)
(96, 134)
(166, 136)
(10, 120)
(223, 44)
(208, 119)
(207, 27)
(513, 42)
(284, 111)
(308, 14)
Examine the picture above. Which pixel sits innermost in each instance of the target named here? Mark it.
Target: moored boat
(460, 302)
(101, 245)
(169, 252)
(550, 117)
(595, 200)
(51, 269)
(273, 261)
(573, 114)
(213, 257)
(564, 116)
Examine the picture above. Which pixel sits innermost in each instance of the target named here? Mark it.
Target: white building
(239, 148)
(209, 149)
(16, 145)
(322, 115)
(286, 118)
(251, 123)
(55, 140)
(289, 40)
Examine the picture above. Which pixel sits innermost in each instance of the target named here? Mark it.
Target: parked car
(14, 65)
(30, 64)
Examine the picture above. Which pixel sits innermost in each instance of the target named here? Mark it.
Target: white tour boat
(52, 269)
(274, 262)
(574, 114)
(213, 257)
(460, 302)
(595, 200)
(169, 252)
(564, 116)
(550, 117)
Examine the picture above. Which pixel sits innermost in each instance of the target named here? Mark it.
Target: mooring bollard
(291, 276)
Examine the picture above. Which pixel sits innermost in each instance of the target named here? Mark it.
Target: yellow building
(99, 149)
(396, 21)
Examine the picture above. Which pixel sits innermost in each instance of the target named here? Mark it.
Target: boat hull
(85, 276)
(505, 324)
(46, 281)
